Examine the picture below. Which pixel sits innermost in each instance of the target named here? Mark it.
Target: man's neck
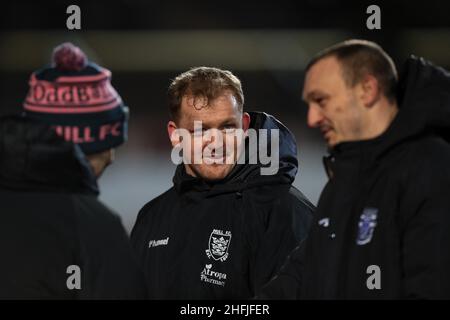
(380, 120)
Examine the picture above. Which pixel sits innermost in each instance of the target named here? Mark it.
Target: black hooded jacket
(52, 223)
(223, 240)
(382, 226)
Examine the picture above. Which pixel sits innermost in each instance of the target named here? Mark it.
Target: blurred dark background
(147, 43)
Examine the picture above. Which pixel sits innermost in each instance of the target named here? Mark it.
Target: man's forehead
(199, 108)
(323, 74)
(325, 63)
(199, 102)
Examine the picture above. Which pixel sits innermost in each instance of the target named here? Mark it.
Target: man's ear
(173, 133)
(370, 90)
(245, 121)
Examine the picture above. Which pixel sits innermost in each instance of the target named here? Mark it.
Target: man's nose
(315, 116)
(211, 138)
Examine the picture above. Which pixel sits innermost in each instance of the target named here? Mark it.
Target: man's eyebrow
(313, 94)
(206, 125)
(191, 126)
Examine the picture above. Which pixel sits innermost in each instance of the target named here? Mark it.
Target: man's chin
(330, 144)
(213, 172)
(331, 141)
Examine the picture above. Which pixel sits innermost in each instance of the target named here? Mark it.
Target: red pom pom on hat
(68, 57)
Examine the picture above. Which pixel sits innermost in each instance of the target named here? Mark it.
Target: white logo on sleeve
(218, 245)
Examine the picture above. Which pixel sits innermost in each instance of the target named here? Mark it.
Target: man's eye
(321, 101)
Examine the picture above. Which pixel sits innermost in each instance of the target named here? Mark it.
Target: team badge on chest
(218, 245)
(366, 225)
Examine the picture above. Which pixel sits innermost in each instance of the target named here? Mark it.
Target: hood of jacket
(34, 158)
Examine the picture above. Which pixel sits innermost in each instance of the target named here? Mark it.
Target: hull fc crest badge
(218, 245)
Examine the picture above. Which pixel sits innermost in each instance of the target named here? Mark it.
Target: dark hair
(359, 58)
(203, 81)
